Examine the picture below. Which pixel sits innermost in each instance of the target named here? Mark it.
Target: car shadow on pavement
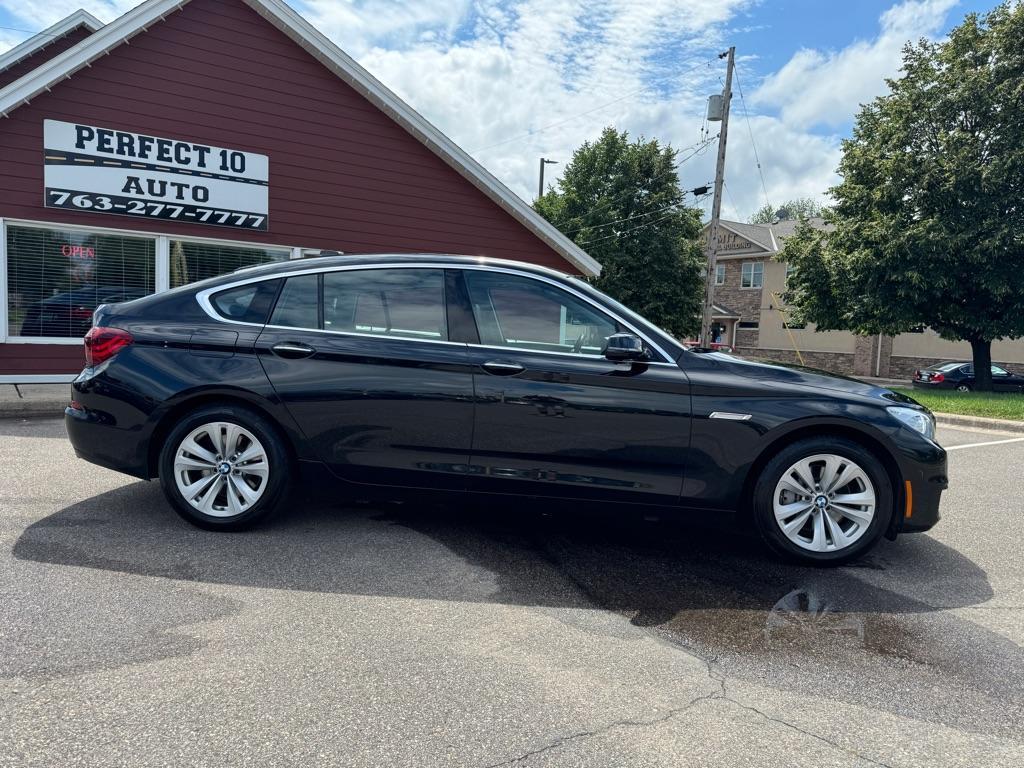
(888, 621)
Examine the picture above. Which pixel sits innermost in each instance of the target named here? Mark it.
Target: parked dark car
(960, 376)
(455, 375)
(70, 313)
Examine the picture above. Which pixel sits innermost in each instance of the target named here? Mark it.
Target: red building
(192, 137)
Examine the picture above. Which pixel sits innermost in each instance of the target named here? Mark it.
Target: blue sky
(514, 80)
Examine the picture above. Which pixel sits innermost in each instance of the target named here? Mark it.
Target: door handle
(502, 368)
(292, 350)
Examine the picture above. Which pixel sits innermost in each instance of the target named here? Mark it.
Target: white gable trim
(40, 40)
(303, 33)
(725, 252)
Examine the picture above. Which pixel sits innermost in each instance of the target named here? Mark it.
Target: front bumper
(924, 478)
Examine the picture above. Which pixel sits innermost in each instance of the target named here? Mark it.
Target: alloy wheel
(824, 503)
(221, 469)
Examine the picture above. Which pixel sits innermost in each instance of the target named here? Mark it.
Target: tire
(963, 388)
(859, 510)
(231, 494)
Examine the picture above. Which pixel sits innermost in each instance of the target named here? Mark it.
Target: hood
(800, 375)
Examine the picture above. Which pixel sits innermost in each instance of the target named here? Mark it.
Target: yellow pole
(785, 324)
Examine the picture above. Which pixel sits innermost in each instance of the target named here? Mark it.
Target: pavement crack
(626, 723)
(798, 729)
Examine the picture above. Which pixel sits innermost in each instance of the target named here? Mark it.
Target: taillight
(938, 377)
(103, 343)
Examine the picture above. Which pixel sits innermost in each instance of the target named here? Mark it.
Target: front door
(554, 417)
(361, 358)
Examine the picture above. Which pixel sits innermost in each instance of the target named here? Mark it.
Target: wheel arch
(849, 430)
(197, 399)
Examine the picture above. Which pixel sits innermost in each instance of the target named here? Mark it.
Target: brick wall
(746, 301)
(834, 362)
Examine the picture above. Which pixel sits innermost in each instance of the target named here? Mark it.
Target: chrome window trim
(203, 299)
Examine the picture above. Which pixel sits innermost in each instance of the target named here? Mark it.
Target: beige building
(751, 317)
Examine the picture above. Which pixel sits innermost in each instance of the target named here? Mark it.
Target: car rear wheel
(823, 501)
(223, 467)
(963, 388)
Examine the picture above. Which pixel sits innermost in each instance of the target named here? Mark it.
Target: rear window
(944, 367)
(247, 303)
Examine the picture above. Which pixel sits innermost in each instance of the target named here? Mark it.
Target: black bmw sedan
(960, 376)
(457, 375)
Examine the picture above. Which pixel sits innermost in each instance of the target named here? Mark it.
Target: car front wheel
(823, 501)
(223, 467)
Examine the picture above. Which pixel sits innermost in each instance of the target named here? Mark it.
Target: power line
(750, 130)
(697, 148)
(619, 221)
(637, 215)
(625, 231)
(569, 119)
(642, 226)
(29, 32)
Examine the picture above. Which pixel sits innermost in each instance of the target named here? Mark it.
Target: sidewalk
(19, 401)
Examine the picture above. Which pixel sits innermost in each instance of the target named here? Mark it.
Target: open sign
(78, 251)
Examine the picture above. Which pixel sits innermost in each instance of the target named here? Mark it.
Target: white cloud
(514, 80)
(825, 88)
(40, 15)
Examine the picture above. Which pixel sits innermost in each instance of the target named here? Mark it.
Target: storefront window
(57, 277)
(198, 261)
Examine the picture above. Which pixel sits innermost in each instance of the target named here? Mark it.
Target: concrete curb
(979, 422)
(33, 409)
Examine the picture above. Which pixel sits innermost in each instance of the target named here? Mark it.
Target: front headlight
(919, 421)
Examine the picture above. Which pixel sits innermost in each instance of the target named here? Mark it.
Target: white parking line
(979, 445)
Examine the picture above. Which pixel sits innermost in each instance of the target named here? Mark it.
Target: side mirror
(624, 346)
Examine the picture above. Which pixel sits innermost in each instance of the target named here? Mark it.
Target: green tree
(797, 208)
(929, 225)
(621, 202)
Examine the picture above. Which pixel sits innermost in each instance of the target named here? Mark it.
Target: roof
(40, 40)
(720, 310)
(301, 32)
(770, 236)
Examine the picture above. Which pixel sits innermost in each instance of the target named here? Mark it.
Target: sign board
(102, 170)
(730, 241)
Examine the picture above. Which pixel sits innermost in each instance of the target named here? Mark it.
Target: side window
(297, 305)
(246, 303)
(752, 274)
(519, 312)
(406, 303)
(997, 371)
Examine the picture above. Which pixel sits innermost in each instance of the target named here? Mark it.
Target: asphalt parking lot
(388, 635)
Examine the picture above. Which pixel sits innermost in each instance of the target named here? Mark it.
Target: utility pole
(540, 187)
(716, 205)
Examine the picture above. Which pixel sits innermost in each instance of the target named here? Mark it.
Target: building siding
(343, 175)
(42, 55)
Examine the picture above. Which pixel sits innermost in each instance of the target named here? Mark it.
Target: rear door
(556, 418)
(362, 359)
(1004, 381)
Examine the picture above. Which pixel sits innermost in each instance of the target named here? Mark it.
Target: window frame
(753, 271)
(161, 266)
(720, 268)
(453, 306)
